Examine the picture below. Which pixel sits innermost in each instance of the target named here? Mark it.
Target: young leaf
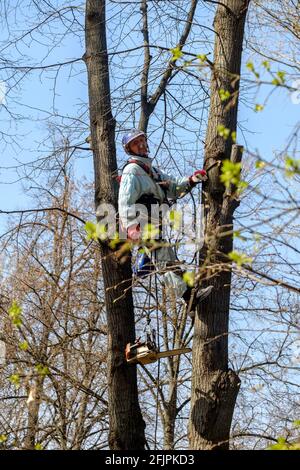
(189, 278)
(23, 346)
(231, 173)
(176, 53)
(202, 57)
(223, 131)
(258, 108)
(239, 258)
(149, 232)
(15, 313)
(224, 94)
(90, 229)
(259, 164)
(15, 380)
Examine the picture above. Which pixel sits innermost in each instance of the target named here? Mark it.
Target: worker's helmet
(133, 134)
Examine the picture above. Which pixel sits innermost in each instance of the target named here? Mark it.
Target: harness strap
(148, 170)
(145, 167)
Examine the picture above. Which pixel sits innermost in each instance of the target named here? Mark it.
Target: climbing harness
(154, 175)
(146, 351)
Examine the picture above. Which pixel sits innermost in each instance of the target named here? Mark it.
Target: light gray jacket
(136, 182)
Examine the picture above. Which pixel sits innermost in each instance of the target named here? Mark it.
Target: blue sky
(271, 127)
(266, 131)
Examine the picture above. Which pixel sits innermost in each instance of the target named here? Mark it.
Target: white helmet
(133, 134)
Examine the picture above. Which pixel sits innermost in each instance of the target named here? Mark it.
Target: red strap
(145, 167)
(142, 165)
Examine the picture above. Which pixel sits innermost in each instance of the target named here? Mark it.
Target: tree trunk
(214, 386)
(33, 403)
(126, 423)
(170, 413)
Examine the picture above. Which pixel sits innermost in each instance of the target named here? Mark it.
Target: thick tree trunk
(126, 423)
(214, 386)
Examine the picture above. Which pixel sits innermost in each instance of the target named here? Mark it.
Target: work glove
(134, 232)
(197, 177)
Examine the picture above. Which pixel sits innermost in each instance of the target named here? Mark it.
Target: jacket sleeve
(177, 186)
(129, 192)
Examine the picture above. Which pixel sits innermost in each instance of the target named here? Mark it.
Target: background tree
(46, 90)
(53, 392)
(214, 387)
(126, 422)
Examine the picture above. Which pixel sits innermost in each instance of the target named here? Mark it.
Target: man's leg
(172, 277)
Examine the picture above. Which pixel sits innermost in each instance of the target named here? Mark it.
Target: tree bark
(126, 422)
(214, 386)
(33, 413)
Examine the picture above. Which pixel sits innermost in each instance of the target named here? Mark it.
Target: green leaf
(233, 136)
(3, 438)
(223, 131)
(15, 380)
(258, 108)
(281, 445)
(257, 237)
(175, 219)
(251, 68)
(281, 76)
(224, 94)
(230, 173)
(15, 312)
(279, 79)
(241, 186)
(295, 446)
(96, 231)
(38, 446)
(101, 232)
(115, 241)
(202, 57)
(292, 166)
(23, 346)
(259, 164)
(42, 370)
(266, 65)
(237, 234)
(176, 53)
(189, 278)
(150, 232)
(90, 229)
(239, 258)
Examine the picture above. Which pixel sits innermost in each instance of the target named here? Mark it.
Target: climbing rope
(158, 365)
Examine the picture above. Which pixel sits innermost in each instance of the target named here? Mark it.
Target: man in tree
(142, 184)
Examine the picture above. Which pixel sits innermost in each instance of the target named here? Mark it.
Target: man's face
(139, 146)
